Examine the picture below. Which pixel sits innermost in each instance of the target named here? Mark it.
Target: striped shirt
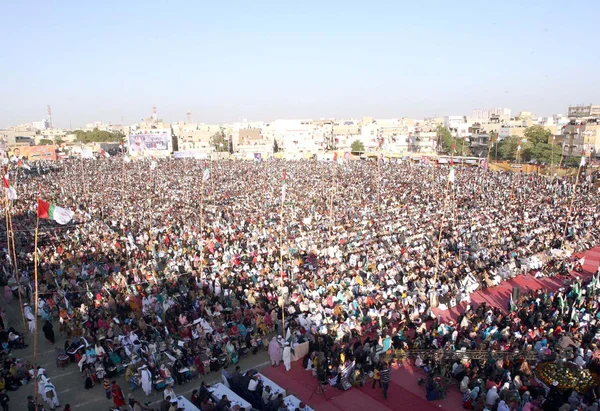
(385, 375)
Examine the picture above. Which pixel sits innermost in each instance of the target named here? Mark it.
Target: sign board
(149, 142)
(34, 153)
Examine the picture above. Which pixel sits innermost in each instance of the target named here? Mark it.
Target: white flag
(451, 177)
(152, 165)
(26, 166)
(126, 159)
(582, 164)
(62, 215)
(206, 175)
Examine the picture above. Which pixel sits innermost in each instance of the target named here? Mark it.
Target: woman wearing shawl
(48, 331)
(274, 352)
(492, 396)
(117, 395)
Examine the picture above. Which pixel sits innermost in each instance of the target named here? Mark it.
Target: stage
(404, 393)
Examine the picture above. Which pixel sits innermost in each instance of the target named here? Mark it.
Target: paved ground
(69, 382)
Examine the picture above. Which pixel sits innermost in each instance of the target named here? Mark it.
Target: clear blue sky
(101, 60)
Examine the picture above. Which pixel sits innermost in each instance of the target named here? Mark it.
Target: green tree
(45, 142)
(219, 142)
(98, 136)
(537, 135)
(444, 138)
(507, 148)
(357, 147)
(275, 146)
(58, 140)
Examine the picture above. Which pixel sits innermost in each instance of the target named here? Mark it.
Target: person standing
(376, 377)
(146, 380)
(287, 356)
(117, 395)
(30, 317)
(274, 352)
(48, 331)
(4, 400)
(385, 378)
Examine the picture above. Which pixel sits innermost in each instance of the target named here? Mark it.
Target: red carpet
(404, 393)
(499, 296)
(301, 384)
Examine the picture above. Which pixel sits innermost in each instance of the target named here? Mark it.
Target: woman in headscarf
(274, 352)
(48, 331)
(492, 396)
(464, 384)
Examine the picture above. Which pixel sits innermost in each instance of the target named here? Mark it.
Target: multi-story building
(487, 113)
(584, 111)
(41, 125)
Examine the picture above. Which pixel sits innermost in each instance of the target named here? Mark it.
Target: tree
(45, 142)
(58, 140)
(444, 138)
(219, 142)
(537, 135)
(507, 148)
(357, 147)
(99, 136)
(275, 146)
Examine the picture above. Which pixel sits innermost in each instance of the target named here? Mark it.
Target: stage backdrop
(150, 142)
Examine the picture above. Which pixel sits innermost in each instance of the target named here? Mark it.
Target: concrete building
(458, 125)
(41, 125)
(487, 113)
(584, 111)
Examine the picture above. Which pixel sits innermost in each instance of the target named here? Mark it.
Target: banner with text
(33, 153)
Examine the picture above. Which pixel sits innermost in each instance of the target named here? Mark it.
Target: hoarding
(149, 142)
(33, 153)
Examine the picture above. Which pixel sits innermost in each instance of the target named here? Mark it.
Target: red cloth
(117, 395)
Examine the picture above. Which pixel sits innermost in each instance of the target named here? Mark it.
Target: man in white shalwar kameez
(50, 396)
(30, 318)
(287, 356)
(146, 380)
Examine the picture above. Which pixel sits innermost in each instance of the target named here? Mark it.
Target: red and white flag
(11, 193)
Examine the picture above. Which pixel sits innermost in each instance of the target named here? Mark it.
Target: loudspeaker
(516, 294)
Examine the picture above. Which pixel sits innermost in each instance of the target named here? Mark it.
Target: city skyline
(104, 62)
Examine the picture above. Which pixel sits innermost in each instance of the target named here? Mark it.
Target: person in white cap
(287, 356)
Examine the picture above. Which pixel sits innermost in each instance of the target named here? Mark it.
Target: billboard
(33, 153)
(149, 142)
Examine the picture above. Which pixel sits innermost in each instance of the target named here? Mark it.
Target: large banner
(33, 153)
(149, 142)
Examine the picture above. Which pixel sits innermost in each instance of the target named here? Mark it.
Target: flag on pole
(152, 164)
(582, 163)
(104, 153)
(50, 211)
(11, 193)
(206, 174)
(452, 176)
(284, 186)
(126, 159)
(26, 166)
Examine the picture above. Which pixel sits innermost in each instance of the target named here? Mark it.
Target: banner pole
(35, 314)
(10, 237)
(281, 257)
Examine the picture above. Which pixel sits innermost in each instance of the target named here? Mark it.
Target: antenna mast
(50, 115)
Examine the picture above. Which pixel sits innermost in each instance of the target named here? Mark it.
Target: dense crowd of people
(169, 271)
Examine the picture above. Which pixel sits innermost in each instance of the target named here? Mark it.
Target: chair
(62, 359)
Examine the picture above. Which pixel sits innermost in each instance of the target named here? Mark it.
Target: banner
(197, 154)
(33, 153)
(143, 142)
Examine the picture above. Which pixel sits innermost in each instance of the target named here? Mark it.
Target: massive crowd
(166, 273)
